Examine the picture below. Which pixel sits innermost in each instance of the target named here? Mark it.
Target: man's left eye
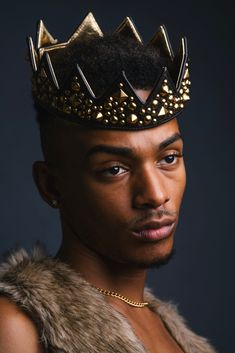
(170, 159)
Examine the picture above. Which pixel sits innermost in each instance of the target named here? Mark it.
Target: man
(114, 168)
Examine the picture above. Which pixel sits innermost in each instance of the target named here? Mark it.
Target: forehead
(90, 136)
(74, 141)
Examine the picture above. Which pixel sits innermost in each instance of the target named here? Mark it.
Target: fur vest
(72, 317)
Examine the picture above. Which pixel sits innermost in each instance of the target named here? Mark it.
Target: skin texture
(102, 197)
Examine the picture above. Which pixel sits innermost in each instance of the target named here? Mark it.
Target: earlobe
(45, 182)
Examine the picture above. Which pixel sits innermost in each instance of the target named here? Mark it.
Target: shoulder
(43, 287)
(17, 332)
(20, 301)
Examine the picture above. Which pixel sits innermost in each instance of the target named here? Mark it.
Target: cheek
(183, 177)
(108, 203)
(175, 185)
(180, 184)
(95, 203)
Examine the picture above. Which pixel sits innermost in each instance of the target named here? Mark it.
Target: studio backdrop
(200, 278)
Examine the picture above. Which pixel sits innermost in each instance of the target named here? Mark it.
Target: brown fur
(72, 317)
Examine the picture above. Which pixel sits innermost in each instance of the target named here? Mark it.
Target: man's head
(114, 186)
(111, 183)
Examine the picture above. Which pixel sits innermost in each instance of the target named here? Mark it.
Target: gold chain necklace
(121, 297)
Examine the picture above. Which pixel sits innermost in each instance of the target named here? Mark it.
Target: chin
(157, 256)
(145, 256)
(157, 262)
(149, 259)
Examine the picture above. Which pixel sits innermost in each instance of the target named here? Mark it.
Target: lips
(155, 230)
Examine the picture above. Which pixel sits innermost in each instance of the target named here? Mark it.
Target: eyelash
(178, 155)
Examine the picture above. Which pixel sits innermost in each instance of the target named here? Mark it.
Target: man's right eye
(112, 171)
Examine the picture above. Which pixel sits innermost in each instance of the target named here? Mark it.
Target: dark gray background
(200, 278)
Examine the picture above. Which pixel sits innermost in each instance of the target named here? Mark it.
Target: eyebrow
(128, 152)
(177, 136)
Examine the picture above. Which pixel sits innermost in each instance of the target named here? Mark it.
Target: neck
(100, 271)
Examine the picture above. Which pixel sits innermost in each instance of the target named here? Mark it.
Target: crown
(119, 107)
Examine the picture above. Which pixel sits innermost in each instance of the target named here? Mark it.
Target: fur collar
(71, 317)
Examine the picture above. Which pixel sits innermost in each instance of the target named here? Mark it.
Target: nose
(150, 189)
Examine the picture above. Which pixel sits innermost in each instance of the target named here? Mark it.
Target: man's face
(118, 187)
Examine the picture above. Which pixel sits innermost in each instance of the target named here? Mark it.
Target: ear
(45, 181)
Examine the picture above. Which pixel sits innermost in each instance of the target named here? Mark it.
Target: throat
(114, 280)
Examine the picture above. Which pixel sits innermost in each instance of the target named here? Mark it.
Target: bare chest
(153, 334)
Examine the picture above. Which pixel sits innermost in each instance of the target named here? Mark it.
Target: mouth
(154, 231)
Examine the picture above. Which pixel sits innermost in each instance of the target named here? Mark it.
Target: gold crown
(119, 107)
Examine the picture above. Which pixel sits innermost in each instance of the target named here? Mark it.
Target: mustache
(149, 215)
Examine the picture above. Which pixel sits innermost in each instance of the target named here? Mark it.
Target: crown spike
(179, 63)
(157, 84)
(131, 88)
(85, 81)
(88, 28)
(44, 38)
(128, 29)
(32, 54)
(161, 41)
(51, 70)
